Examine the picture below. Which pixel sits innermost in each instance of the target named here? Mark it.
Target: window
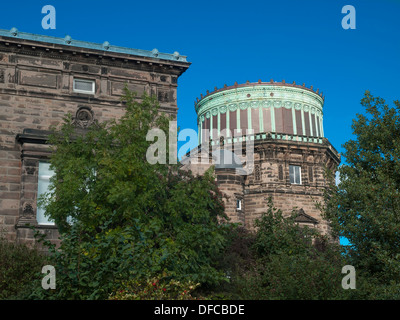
(84, 86)
(239, 204)
(43, 185)
(295, 174)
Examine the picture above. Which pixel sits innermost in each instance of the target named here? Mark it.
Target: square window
(84, 86)
(295, 174)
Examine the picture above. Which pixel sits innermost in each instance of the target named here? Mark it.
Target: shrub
(281, 260)
(155, 288)
(19, 266)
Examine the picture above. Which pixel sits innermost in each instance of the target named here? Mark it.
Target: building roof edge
(105, 46)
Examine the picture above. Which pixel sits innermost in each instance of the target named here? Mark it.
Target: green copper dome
(278, 109)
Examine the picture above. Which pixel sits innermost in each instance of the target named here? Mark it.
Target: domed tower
(283, 124)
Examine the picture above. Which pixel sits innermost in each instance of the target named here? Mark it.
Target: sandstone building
(42, 79)
(283, 157)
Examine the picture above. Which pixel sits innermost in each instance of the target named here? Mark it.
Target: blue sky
(228, 41)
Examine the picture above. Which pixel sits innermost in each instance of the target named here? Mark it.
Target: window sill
(28, 224)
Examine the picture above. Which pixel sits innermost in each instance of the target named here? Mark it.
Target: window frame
(93, 82)
(47, 177)
(239, 204)
(294, 166)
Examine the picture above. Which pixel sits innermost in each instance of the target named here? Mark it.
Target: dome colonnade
(285, 111)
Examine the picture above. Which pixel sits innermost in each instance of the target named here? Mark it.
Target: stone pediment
(302, 217)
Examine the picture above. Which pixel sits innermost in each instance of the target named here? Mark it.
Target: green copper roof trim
(269, 99)
(106, 46)
(258, 94)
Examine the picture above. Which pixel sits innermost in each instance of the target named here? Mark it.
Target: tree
(365, 206)
(295, 262)
(282, 260)
(122, 218)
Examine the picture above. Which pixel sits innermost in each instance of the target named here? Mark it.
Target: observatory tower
(283, 125)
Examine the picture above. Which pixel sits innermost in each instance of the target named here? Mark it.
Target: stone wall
(270, 178)
(232, 185)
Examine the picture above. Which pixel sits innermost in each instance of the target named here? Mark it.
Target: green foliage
(365, 206)
(300, 276)
(281, 260)
(155, 288)
(295, 262)
(125, 223)
(277, 234)
(122, 218)
(238, 261)
(19, 266)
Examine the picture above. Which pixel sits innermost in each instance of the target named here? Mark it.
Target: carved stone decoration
(1, 76)
(27, 210)
(257, 173)
(163, 96)
(11, 78)
(268, 153)
(30, 170)
(84, 117)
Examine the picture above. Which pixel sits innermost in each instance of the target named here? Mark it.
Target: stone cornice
(275, 140)
(96, 58)
(33, 136)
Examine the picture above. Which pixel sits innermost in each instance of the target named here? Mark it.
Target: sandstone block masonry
(247, 194)
(41, 80)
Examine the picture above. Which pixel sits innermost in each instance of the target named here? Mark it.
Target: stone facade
(264, 158)
(38, 88)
